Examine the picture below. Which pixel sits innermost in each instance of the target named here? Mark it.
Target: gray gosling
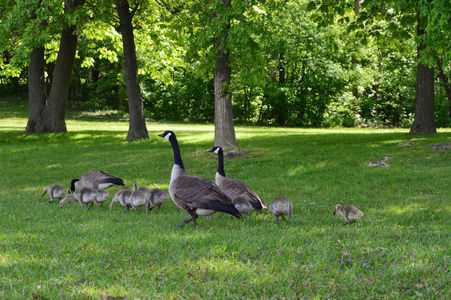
(242, 205)
(55, 191)
(86, 196)
(156, 197)
(122, 197)
(281, 207)
(349, 212)
(138, 198)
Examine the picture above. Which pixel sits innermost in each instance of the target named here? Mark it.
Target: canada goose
(139, 198)
(97, 180)
(235, 187)
(86, 195)
(155, 197)
(349, 212)
(281, 207)
(55, 191)
(122, 197)
(242, 205)
(195, 194)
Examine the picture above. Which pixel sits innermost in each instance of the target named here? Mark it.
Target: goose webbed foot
(193, 218)
(345, 224)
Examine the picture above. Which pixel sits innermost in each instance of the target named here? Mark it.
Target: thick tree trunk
(224, 127)
(51, 117)
(424, 121)
(36, 88)
(137, 126)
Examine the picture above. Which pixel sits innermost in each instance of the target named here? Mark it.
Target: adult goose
(97, 180)
(195, 194)
(235, 187)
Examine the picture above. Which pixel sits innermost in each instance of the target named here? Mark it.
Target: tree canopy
(292, 63)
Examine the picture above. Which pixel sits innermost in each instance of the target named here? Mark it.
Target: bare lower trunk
(137, 126)
(424, 122)
(224, 127)
(36, 88)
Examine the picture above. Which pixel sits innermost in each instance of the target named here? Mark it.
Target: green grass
(400, 249)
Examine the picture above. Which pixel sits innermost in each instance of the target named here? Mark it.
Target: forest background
(290, 63)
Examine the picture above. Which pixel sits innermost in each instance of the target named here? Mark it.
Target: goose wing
(100, 179)
(235, 187)
(193, 192)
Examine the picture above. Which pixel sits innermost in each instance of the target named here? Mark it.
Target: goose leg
(89, 207)
(193, 218)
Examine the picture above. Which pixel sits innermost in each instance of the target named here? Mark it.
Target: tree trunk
(36, 88)
(224, 127)
(51, 117)
(137, 125)
(424, 121)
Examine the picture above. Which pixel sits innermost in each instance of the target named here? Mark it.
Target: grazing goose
(122, 197)
(281, 207)
(349, 212)
(195, 194)
(138, 198)
(235, 187)
(55, 191)
(97, 180)
(86, 195)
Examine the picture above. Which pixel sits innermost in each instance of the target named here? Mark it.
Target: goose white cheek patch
(167, 136)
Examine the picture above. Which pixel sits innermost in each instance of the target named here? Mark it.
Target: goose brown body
(194, 194)
(234, 187)
(97, 180)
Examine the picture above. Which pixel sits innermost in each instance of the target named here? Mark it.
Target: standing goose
(195, 194)
(55, 191)
(97, 180)
(235, 187)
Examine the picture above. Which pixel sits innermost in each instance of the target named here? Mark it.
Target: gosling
(86, 196)
(55, 191)
(156, 197)
(139, 198)
(242, 205)
(281, 207)
(349, 212)
(122, 197)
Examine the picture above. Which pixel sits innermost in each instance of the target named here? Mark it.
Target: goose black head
(215, 149)
(167, 134)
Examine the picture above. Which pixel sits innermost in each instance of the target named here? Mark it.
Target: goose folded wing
(235, 187)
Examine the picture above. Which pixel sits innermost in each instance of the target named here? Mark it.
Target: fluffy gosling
(55, 191)
(242, 205)
(122, 197)
(138, 198)
(281, 207)
(86, 196)
(349, 212)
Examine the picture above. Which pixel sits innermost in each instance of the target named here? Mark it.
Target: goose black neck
(221, 163)
(72, 185)
(176, 149)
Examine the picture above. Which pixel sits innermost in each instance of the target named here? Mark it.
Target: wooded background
(287, 63)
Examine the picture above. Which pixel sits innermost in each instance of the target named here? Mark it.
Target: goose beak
(211, 150)
(161, 135)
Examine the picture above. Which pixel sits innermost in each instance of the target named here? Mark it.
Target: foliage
(400, 249)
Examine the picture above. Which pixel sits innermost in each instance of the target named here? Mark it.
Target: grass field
(400, 249)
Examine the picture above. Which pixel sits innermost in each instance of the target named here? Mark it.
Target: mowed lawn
(400, 249)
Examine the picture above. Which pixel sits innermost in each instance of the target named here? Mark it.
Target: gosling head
(336, 208)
